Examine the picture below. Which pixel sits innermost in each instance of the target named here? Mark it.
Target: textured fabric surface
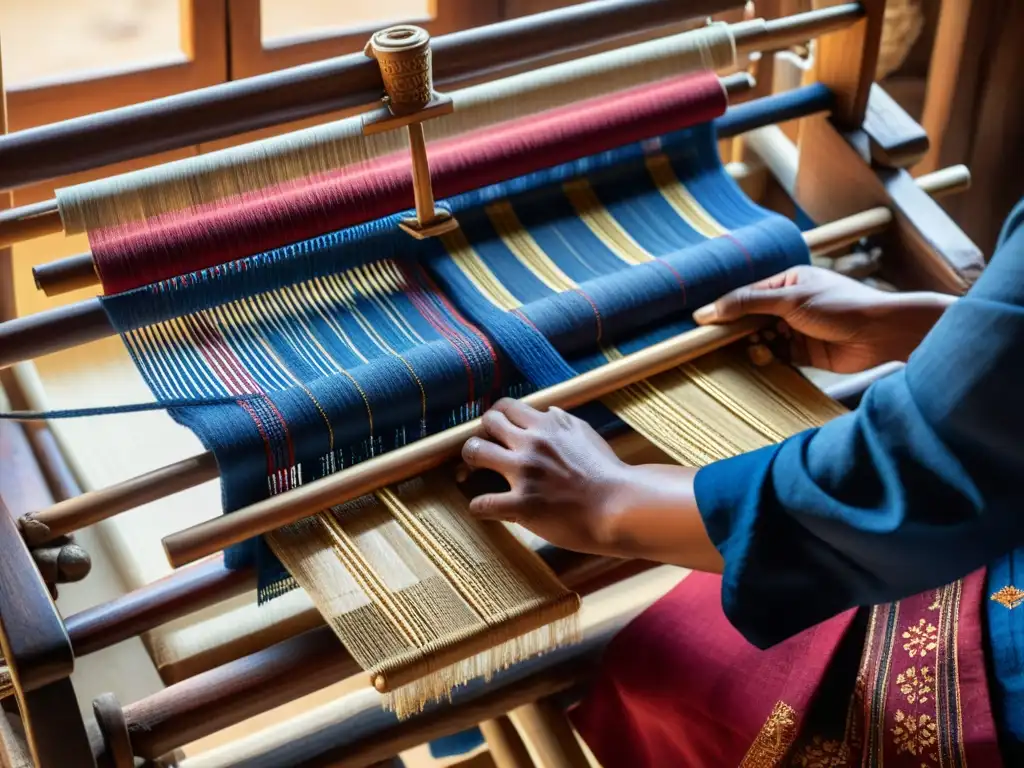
(683, 687)
(364, 339)
(901, 685)
(353, 343)
(199, 237)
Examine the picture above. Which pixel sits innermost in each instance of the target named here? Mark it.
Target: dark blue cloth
(918, 487)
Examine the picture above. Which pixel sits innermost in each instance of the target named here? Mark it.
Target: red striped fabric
(161, 247)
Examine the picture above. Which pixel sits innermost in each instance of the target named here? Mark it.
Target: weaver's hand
(565, 479)
(568, 487)
(833, 322)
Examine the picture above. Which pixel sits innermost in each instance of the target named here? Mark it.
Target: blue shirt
(922, 484)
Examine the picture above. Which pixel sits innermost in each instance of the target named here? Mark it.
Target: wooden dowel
(183, 592)
(776, 34)
(547, 731)
(29, 221)
(233, 692)
(503, 742)
(228, 109)
(81, 511)
(64, 275)
(79, 271)
(261, 681)
(52, 330)
(93, 506)
(449, 720)
(288, 745)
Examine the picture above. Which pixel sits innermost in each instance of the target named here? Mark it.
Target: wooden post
(549, 736)
(943, 76)
(836, 176)
(403, 53)
(8, 307)
(846, 60)
(503, 742)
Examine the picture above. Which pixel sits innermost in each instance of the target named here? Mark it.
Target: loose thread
(114, 410)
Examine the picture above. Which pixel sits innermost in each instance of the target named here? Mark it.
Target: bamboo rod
(53, 330)
(93, 506)
(755, 35)
(79, 271)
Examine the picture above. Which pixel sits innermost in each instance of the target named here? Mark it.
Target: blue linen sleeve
(919, 486)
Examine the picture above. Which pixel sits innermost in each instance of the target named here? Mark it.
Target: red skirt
(898, 685)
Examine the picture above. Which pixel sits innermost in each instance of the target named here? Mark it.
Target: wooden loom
(834, 181)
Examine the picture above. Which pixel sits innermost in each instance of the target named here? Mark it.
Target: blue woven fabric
(359, 341)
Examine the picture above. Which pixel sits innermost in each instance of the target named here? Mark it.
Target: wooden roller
(43, 218)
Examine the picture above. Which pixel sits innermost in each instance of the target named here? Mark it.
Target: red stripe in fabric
(597, 312)
(425, 278)
(212, 355)
(675, 273)
(429, 313)
(231, 365)
(162, 247)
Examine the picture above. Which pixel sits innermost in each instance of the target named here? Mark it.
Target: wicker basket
(904, 20)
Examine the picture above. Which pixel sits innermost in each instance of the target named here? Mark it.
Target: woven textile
(300, 155)
(198, 237)
(358, 341)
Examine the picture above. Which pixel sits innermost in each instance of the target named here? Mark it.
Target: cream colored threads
(271, 164)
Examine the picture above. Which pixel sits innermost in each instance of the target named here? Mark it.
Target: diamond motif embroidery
(1009, 597)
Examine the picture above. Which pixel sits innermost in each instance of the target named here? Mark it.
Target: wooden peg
(114, 730)
(403, 53)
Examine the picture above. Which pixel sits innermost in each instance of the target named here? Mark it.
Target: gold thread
(1009, 597)
(774, 740)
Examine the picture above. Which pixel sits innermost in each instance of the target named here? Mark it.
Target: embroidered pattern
(823, 753)
(916, 686)
(1009, 597)
(774, 740)
(921, 638)
(916, 735)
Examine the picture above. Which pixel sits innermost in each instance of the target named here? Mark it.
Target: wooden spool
(403, 54)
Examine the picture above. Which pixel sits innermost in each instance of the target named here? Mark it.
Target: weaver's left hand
(566, 482)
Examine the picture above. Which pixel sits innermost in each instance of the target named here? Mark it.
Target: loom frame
(41, 647)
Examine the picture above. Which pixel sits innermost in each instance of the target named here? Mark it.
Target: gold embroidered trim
(921, 638)
(916, 686)
(1009, 597)
(916, 734)
(773, 742)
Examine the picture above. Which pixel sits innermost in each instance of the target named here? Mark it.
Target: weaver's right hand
(833, 322)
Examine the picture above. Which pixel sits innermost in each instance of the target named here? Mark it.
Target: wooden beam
(925, 250)
(897, 140)
(846, 61)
